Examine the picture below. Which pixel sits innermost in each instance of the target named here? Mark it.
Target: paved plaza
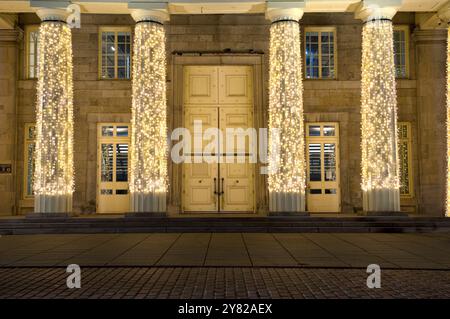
(218, 265)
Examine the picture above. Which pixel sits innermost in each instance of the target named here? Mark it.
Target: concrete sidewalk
(394, 251)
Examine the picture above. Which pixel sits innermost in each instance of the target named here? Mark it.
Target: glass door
(112, 190)
(323, 192)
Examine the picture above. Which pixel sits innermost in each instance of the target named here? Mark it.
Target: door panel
(235, 85)
(199, 187)
(208, 118)
(200, 85)
(237, 118)
(237, 185)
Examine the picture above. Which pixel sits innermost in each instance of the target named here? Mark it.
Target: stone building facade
(230, 39)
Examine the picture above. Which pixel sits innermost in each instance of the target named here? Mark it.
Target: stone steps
(228, 224)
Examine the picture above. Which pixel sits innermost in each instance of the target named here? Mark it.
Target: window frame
(408, 140)
(406, 29)
(321, 29)
(26, 142)
(114, 29)
(28, 29)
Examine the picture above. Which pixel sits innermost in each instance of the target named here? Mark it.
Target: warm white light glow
(148, 166)
(287, 169)
(447, 206)
(53, 174)
(380, 166)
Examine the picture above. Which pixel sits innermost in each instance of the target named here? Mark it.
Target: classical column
(287, 166)
(148, 169)
(380, 164)
(53, 178)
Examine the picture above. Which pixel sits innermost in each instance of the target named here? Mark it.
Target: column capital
(51, 10)
(434, 20)
(152, 11)
(377, 9)
(444, 13)
(284, 10)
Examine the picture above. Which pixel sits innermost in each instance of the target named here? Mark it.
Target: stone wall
(324, 100)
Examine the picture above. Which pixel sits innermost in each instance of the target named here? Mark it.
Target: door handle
(222, 192)
(215, 187)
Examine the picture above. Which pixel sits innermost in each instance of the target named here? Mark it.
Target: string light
(53, 174)
(447, 206)
(287, 168)
(380, 169)
(148, 157)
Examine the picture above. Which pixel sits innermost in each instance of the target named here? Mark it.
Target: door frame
(176, 119)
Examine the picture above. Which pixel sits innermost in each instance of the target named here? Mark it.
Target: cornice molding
(11, 35)
(432, 35)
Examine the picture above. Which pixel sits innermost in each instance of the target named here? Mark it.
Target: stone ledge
(288, 214)
(48, 215)
(145, 215)
(383, 214)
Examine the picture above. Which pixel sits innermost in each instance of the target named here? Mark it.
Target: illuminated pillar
(148, 156)
(286, 180)
(447, 206)
(53, 177)
(379, 164)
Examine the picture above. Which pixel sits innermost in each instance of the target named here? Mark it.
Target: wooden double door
(220, 176)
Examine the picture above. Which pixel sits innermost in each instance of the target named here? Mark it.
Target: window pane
(314, 130)
(121, 191)
(107, 163)
(110, 73)
(107, 131)
(314, 163)
(31, 132)
(329, 153)
(121, 48)
(122, 131)
(330, 191)
(122, 162)
(315, 191)
(121, 60)
(328, 130)
(33, 57)
(400, 53)
(121, 73)
(106, 192)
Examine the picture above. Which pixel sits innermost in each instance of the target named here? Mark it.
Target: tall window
(115, 53)
(404, 155)
(31, 51)
(29, 146)
(401, 51)
(320, 53)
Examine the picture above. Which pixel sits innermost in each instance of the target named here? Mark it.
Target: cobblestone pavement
(221, 282)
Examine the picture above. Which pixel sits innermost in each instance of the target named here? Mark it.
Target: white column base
(286, 202)
(381, 200)
(53, 203)
(148, 202)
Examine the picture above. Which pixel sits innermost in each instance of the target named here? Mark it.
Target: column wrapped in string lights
(447, 206)
(380, 164)
(286, 180)
(54, 176)
(148, 156)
